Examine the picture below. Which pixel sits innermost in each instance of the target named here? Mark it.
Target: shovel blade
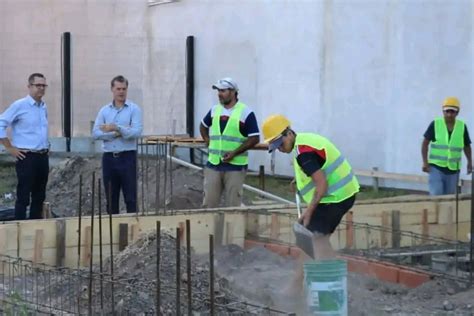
(304, 239)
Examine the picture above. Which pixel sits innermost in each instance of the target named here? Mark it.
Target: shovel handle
(298, 204)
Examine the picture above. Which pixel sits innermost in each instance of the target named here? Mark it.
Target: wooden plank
(275, 226)
(123, 236)
(60, 242)
(38, 250)
(135, 232)
(349, 230)
(396, 234)
(385, 224)
(229, 233)
(391, 176)
(424, 225)
(219, 229)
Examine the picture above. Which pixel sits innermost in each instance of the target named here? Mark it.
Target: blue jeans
(441, 183)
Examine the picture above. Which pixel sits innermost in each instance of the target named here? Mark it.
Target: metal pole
(158, 255)
(178, 272)
(146, 176)
(80, 224)
(100, 246)
(111, 250)
(457, 221)
(211, 274)
(91, 259)
(171, 171)
(142, 178)
(157, 179)
(166, 173)
(471, 261)
(188, 265)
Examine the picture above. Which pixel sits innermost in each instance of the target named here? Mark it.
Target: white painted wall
(368, 74)
(109, 37)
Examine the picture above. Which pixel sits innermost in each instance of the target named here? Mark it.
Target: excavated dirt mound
(264, 275)
(63, 186)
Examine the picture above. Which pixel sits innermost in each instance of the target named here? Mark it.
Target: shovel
(304, 237)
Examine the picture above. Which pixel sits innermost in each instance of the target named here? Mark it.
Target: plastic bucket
(326, 287)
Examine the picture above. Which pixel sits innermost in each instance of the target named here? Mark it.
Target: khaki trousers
(228, 182)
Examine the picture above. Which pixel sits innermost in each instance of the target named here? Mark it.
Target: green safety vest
(342, 183)
(444, 151)
(230, 139)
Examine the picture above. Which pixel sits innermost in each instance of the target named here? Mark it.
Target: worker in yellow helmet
(324, 179)
(447, 137)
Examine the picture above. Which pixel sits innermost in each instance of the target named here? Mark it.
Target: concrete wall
(370, 75)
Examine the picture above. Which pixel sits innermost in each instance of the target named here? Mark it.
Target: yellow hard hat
(451, 101)
(273, 126)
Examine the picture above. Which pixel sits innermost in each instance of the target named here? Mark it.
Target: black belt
(117, 154)
(33, 151)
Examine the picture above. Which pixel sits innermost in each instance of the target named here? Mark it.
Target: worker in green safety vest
(229, 129)
(324, 179)
(447, 138)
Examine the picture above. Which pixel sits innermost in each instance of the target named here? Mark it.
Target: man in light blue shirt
(28, 120)
(119, 124)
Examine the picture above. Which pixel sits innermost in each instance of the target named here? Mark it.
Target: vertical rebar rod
(211, 274)
(142, 172)
(171, 170)
(471, 242)
(157, 179)
(109, 193)
(80, 223)
(146, 176)
(178, 272)
(101, 267)
(188, 264)
(158, 256)
(91, 258)
(166, 173)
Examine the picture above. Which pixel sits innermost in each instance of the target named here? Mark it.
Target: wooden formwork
(378, 223)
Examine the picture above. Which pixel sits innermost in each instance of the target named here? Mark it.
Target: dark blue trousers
(119, 171)
(32, 175)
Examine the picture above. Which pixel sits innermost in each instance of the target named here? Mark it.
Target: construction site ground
(187, 191)
(255, 274)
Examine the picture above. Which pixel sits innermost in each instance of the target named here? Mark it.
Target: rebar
(157, 177)
(91, 259)
(99, 195)
(165, 154)
(211, 274)
(188, 264)
(158, 256)
(142, 176)
(178, 272)
(171, 170)
(111, 251)
(471, 236)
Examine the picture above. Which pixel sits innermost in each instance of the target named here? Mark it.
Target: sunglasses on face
(39, 85)
(450, 111)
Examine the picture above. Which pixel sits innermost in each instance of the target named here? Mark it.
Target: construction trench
(406, 255)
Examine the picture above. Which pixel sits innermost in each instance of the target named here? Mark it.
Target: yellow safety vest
(230, 139)
(342, 183)
(444, 151)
